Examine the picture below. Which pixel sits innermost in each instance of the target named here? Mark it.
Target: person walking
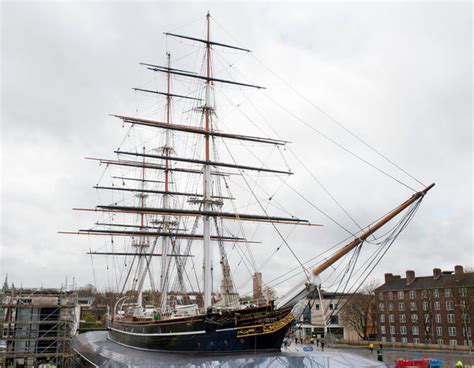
(322, 345)
(371, 348)
(459, 364)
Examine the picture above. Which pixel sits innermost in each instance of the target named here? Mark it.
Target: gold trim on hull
(264, 329)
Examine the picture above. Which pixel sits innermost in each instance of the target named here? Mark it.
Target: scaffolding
(36, 327)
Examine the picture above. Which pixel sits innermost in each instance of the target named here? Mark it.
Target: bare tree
(360, 311)
(427, 321)
(462, 290)
(269, 294)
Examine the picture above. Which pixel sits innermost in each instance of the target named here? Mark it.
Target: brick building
(437, 309)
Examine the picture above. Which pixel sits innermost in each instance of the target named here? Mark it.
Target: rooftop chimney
(410, 277)
(390, 277)
(436, 273)
(458, 270)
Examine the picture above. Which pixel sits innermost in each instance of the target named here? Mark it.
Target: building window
(390, 307)
(382, 330)
(436, 293)
(401, 307)
(468, 331)
(436, 305)
(440, 341)
(393, 339)
(390, 295)
(413, 306)
(439, 331)
(403, 330)
(392, 330)
(334, 320)
(404, 340)
(391, 318)
(381, 306)
(453, 342)
(462, 292)
(414, 318)
(316, 306)
(403, 318)
(415, 331)
(451, 318)
(384, 339)
(424, 294)
(452, 331)
(438, 318)
(416, 340)
(466, 319)
(333, 306)
(447, 293)
(425, 306)
(412, 294)
(401, 294)
(382, 318)
(449, 305)
(427, 318)
(380, 296)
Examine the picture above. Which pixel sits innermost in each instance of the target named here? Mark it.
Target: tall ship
(174, 221)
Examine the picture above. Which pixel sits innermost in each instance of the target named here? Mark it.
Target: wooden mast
(207, 277)
(307, 286)
(142, 243)
(353, 244)
(165, 239)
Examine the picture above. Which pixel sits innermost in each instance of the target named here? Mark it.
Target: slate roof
(445, 280)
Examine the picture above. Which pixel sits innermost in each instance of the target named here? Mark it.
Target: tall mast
(142, 243)
(165, 227)
(207, 179)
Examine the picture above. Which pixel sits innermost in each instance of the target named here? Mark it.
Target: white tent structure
(95, 348)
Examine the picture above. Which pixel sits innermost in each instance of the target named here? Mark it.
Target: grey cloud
(398, 74)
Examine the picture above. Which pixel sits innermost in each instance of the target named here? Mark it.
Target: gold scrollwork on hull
(264, 329)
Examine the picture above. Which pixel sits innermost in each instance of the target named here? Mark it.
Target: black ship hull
(236, 331)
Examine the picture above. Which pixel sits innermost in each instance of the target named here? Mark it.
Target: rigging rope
(401, 225)
(306, 272)
(292, 188)
(325, 113)
(337, 143)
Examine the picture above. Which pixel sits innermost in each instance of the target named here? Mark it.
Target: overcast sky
(397, 74)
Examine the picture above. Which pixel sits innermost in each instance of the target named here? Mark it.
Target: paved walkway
(390, 355)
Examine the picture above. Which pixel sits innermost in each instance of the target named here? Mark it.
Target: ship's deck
(101, 352)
